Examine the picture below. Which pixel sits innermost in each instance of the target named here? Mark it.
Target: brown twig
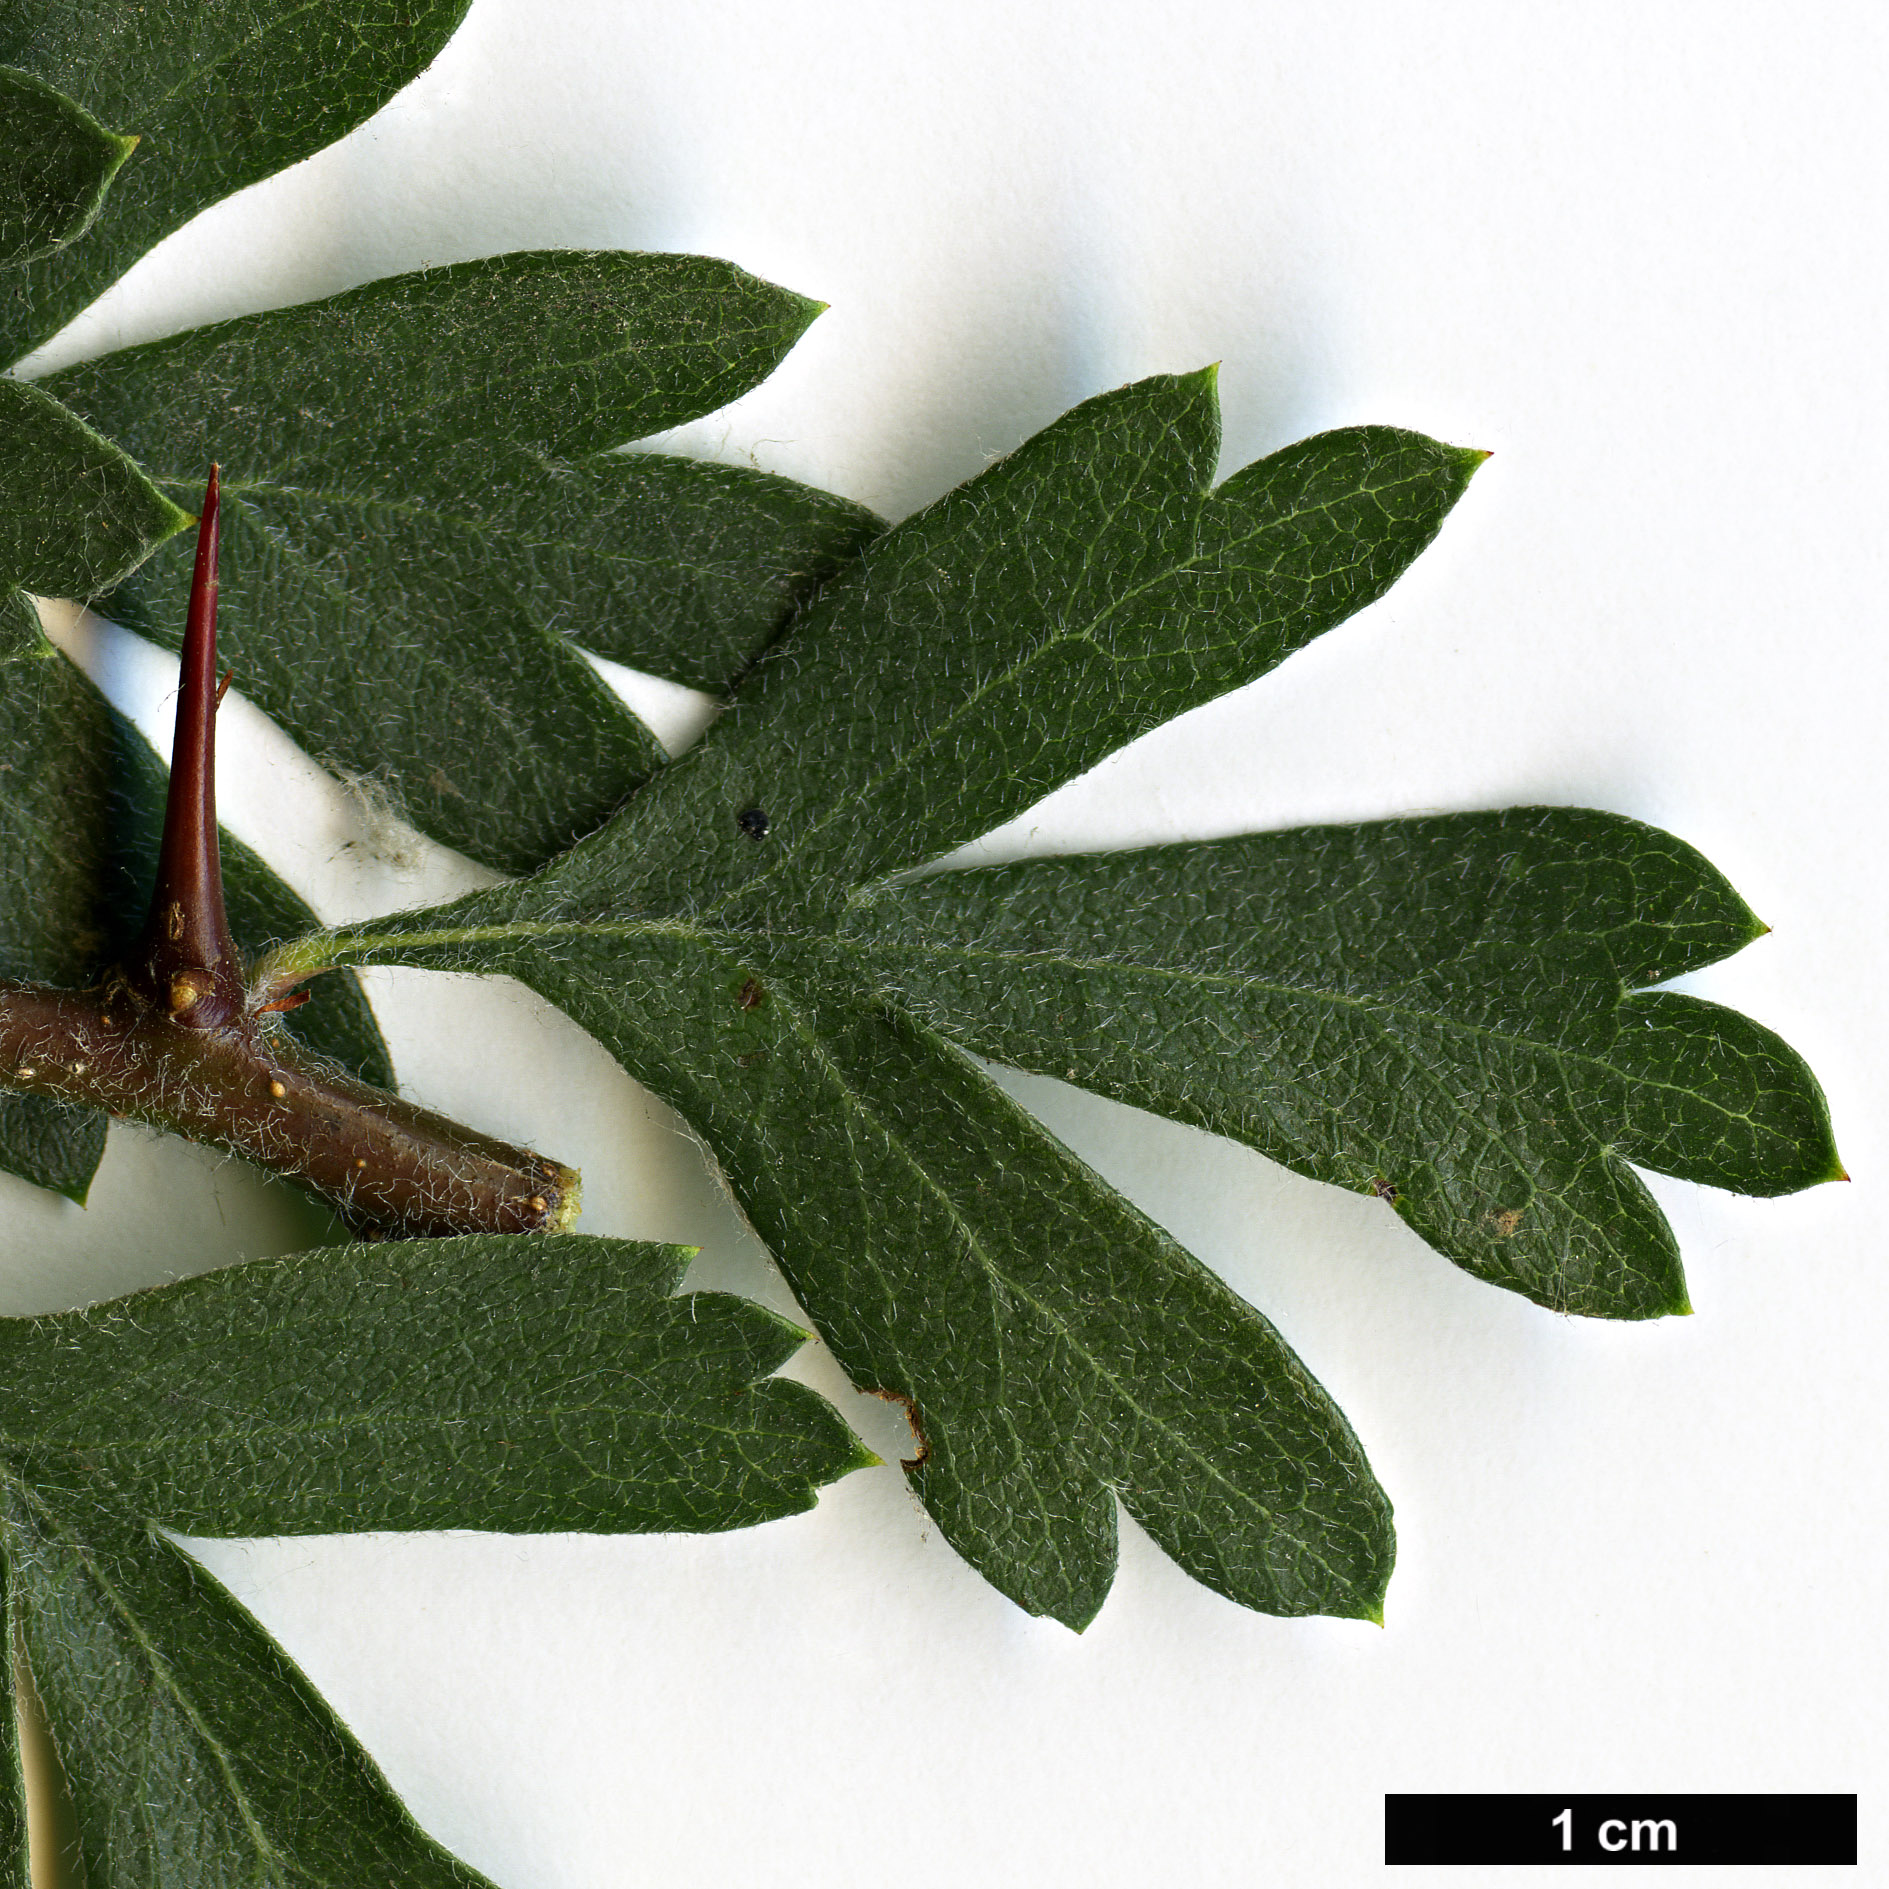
(174, 1036)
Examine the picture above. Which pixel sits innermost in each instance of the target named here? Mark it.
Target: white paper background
(1636, 250)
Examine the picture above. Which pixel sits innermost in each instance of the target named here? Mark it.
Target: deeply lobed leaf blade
(1057, 1347)
(1438, 1011)
(483, 1382)
(1015, 633)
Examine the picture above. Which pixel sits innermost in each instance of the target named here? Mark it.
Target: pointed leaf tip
(803, 311)
(56, 164)
(46, 546)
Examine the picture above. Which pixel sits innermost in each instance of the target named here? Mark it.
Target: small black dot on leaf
(753, 822)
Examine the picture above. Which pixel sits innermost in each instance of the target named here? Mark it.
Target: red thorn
(187, 961)
(293, 1001)
(223, 687)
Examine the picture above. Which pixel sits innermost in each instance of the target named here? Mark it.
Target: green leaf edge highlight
(109, 149)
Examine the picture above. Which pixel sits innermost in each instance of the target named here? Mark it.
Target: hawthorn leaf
(737, 938)
(486, 1382)
(75, 513)
(1446, 1012)
(194, 1748)
(1054, 1347)
(56, 163)
(972, 659)
(1016, 632)
(491, 1382)
(81, 801)
(419, 516)
(219, 96)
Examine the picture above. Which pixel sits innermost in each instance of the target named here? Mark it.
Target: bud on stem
(173, 1037)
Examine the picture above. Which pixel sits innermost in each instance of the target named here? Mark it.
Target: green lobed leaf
(56, 163)
(549, 1383)
(975, 657)
(1441, 1011)
(78, 817)
(1013, 634)
(195, 1750)
(733, 938)
(1055, 1344)
(520, 1384)
(75, 513)
(409, 547)
(221, 93)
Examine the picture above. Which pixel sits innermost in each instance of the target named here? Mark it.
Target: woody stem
(174, 1037)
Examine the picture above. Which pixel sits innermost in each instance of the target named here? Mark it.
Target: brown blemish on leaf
(1506, 1222)
(753, 994)
(910, 1408)
(1383, 1189)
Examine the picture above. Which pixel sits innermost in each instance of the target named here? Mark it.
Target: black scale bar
(1637, 1829)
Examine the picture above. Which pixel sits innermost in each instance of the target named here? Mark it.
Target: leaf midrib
(393, 1427)
(358, 947)
(1442, 1021)
(421, 510)
(160, 1669)
(1000, 1279)
(407, 415)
